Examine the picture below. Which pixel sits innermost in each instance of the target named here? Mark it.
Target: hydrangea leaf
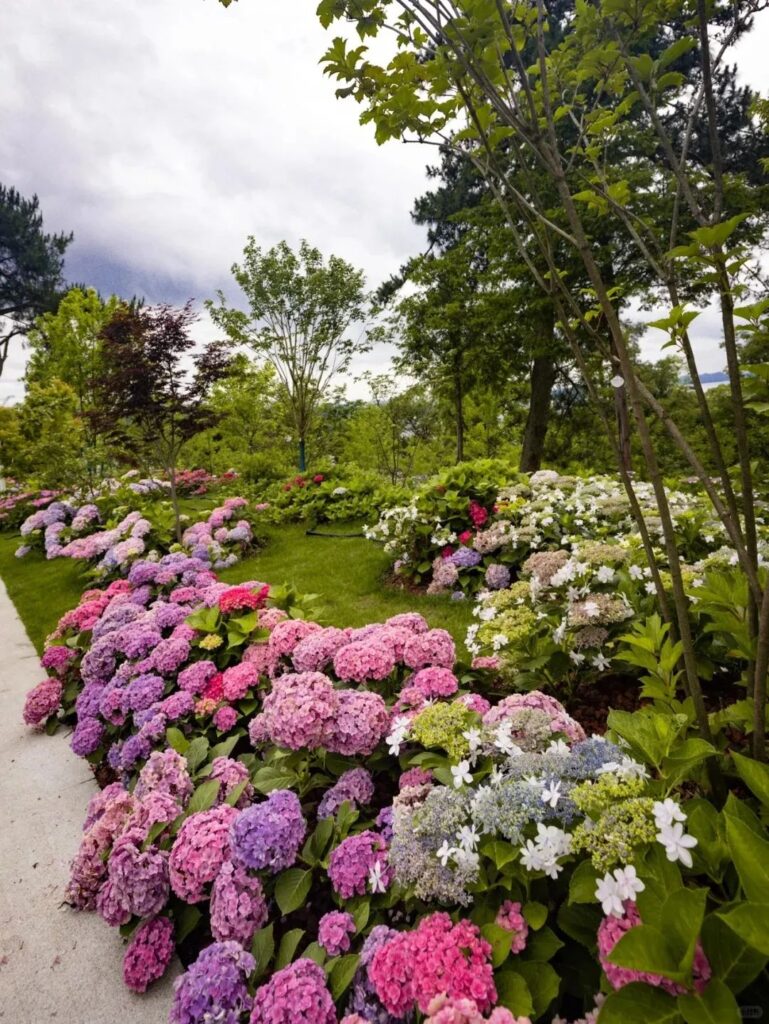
(292, 889)
(638, 1003)
(716, 1005)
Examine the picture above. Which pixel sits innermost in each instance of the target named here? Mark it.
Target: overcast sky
(163, 132)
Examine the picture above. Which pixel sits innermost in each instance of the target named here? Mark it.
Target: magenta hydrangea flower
(364, 660)
(42, 701)
(89, 866)
(214, 987)
(435, 647)
(316, 651)
(354, 786)
(138, 879)
(238, 908)
(225, 718)
(165, 772)
(611, 930)
(297, 994)
(230, 773)
(361, 722)
(415, 777)
(194, 677)
(334, 931)
(352, 862)
(268, 835)
(435, 682)
(300, 711)
(287, 633)
(510, 918)
(437, 957)
(58, 658)
(445, 1009)
(475, 702)
(200, 849)
(149, 953)
(238, 680)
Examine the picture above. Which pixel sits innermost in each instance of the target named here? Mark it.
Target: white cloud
(163, 133)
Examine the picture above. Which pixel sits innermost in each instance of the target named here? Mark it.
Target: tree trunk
(622, 415)
(302, 456)
(175, 503)
(459, 415)
(541, 380)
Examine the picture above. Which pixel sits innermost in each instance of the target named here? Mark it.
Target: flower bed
(327, 498)
(345, 825)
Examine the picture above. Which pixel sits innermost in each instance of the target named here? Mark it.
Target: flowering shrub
(327, 498)
(364, 836)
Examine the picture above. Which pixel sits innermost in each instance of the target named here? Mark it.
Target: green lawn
(347, 573)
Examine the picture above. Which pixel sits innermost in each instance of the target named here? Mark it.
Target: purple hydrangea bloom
(87, 737)
(269, 834)
(144, 691)
(238, 908)
(139, 878)
(466, 558)
(354, 786)
(214, 987)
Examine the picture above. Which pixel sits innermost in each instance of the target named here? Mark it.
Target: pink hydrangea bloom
(149, 953)
(435, 682)
(412, 621)
(297, 994)
(260, 657)
(270, 617)
(238, 680)
(200, 849)
(42, 701)
(351, 863)
(364, 660)
(138, 879)
(510, 918)
(475, 702)
(165, 772)
(89, 866)
(316, 651)
(437, 957)
(360, 723)
(230, 773)
(300, 711)
(415, 777)
(225, 718)
(486, 661)
(287, 634)
(194, 677)
(611, 930)
(334, 931)
(445, 1010)
(435, 647)
(560, 719)
(238, 908)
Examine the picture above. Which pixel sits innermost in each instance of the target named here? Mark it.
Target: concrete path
(55, 964)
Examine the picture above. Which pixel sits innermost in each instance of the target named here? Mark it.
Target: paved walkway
(55, 965)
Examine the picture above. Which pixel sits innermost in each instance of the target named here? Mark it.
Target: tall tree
(31, 265)
(154, 388)
(301, 309)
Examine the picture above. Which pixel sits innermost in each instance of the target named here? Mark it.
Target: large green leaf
(646, 948)
(682, 915)
(342, 973)
(716, 1005)
(755, 775)
(750, 853)
(204, 797)
(262, 949)
(751, 922)
(288, 946)
(514, 993)
(542, 981)
(292, 889)
(638, 1003)
(500, 939)
(731, 959)
(196, 753)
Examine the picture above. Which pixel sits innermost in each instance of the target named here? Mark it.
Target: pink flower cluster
(238, 908)
(560, 720)
(352, 861)
(149, 953)
(334, 931)
(296, 993)
(445, 1010)
(201, 848)
(42, 701)
(437, 958)
(510, 918)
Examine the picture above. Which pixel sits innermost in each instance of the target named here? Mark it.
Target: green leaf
(186, 921)
(731, 959)
(583, 883)
(716, 1005)
(315, 847)
(500, 939)
(360, 909)
(196, 753)
(223, 749)
(288, 946)
(267, 779)
(682, 915)
(646, 948)
(262, 949)
(542, 981)
(514, 993)
(315, 952)
(535, 914)
(292, 889)
(750, 854)
(751, 922)
(755, 776)
(204, 797)
(177, 740)
(543, 945)
(342, 974)
(499, 851)
(638, 1003)
(235, 794)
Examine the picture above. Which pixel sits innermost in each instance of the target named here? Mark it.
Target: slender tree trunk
(302, 456)
(459, 411)
(175, 503)
(541, 378)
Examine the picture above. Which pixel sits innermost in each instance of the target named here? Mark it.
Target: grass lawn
(346, 573)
